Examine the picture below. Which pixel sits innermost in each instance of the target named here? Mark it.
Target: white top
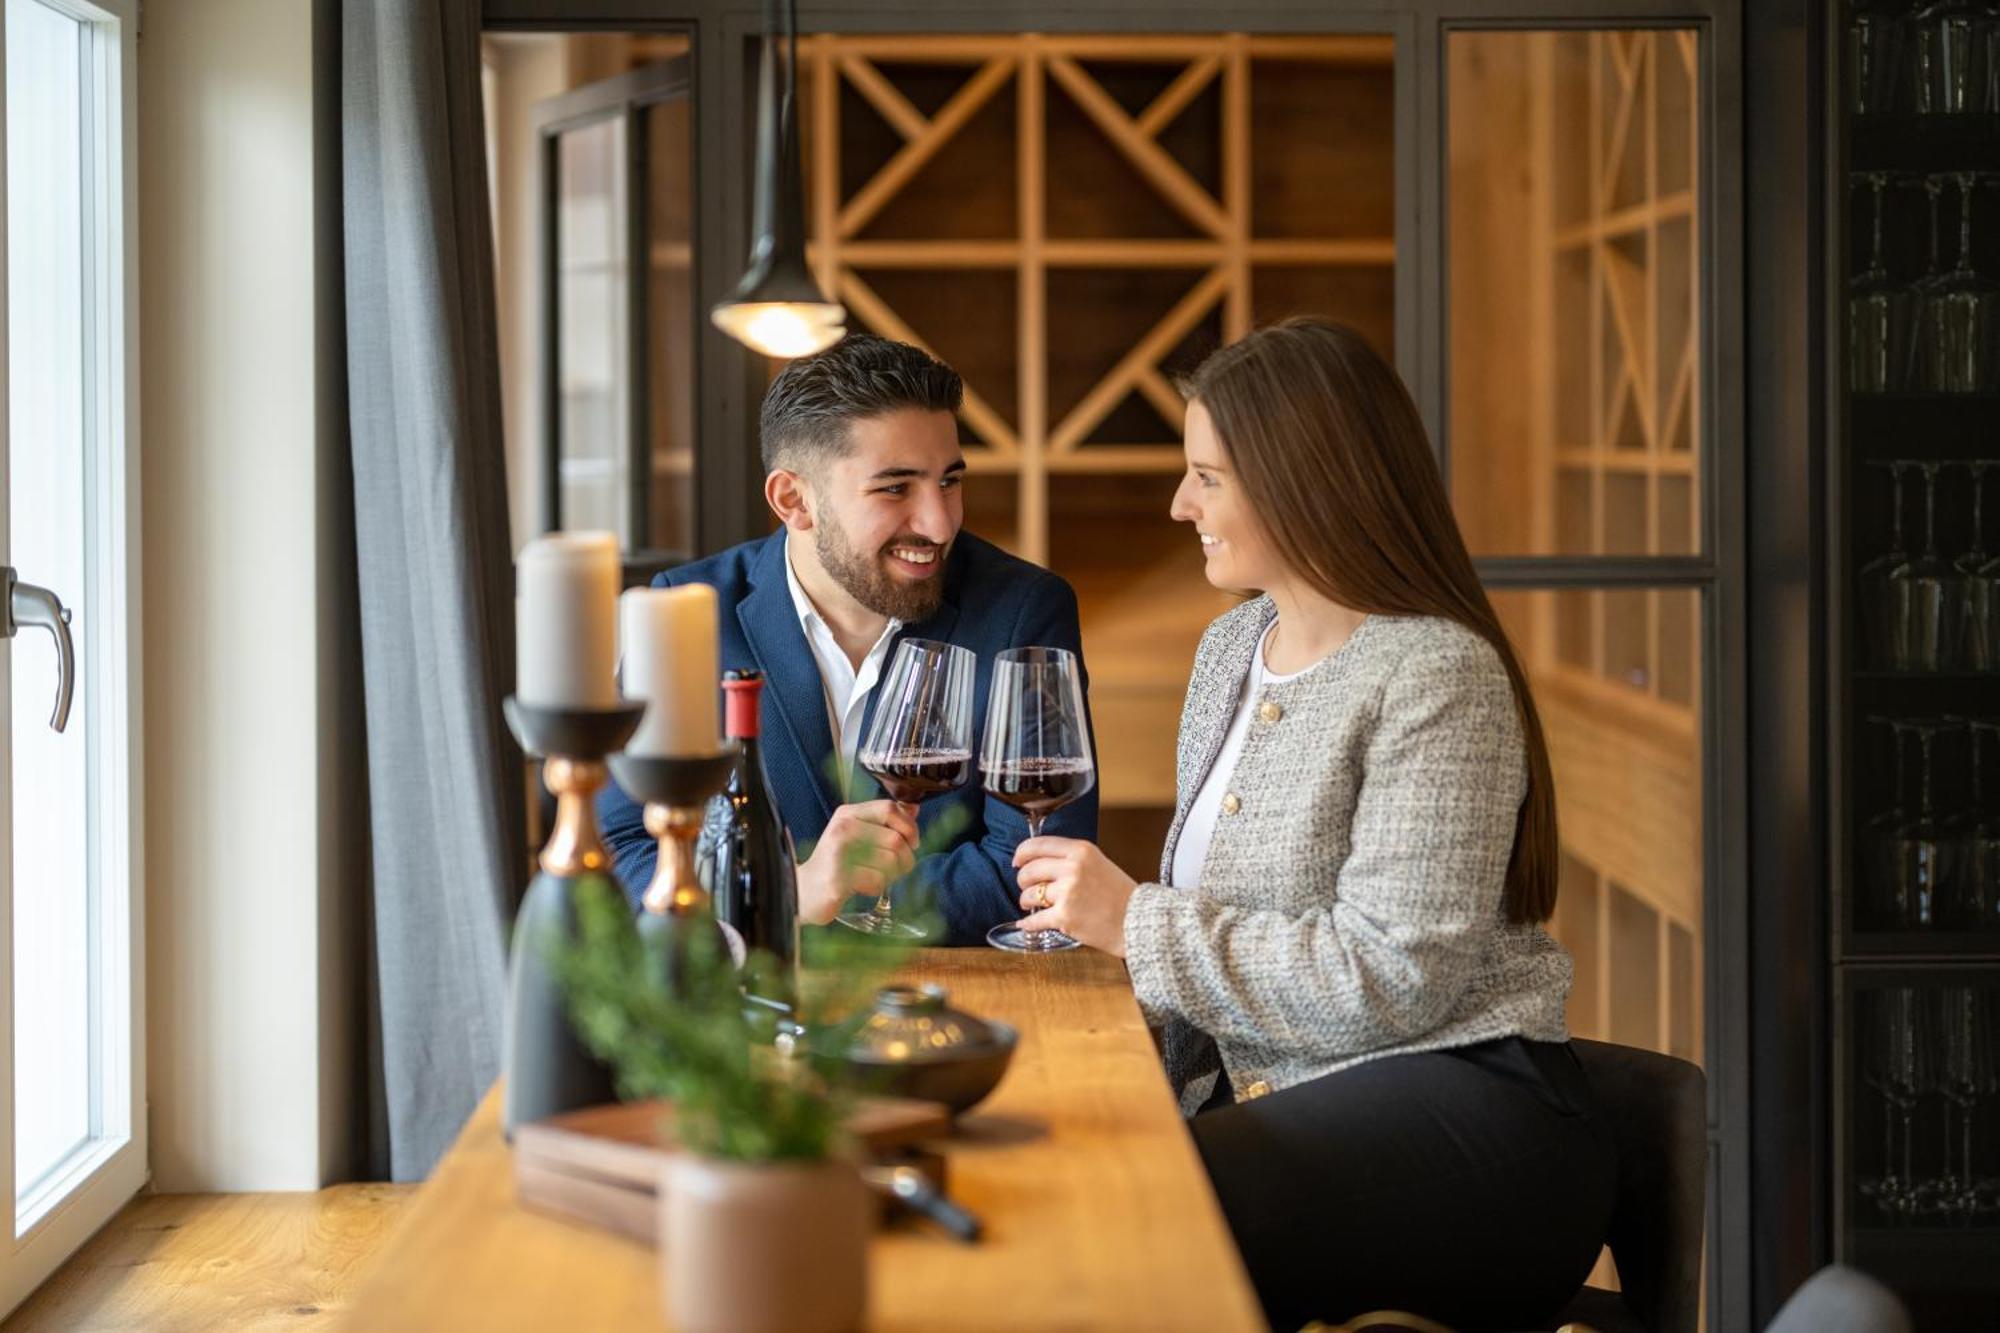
(1199, 826)
(846, 689)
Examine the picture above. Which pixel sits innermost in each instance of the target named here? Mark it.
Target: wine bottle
(755, 872)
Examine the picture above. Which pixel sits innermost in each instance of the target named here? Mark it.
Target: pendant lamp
(778, 309)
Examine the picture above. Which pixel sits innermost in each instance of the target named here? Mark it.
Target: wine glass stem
(1034, 831)
(1907, 1104)
(881, 909)
(1965, 223)
(1930, 511)
(1933, 188)
(1978, 471)
(1965, 1140)
(1924, 773)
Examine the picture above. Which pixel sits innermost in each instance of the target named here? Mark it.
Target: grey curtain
(433, 562)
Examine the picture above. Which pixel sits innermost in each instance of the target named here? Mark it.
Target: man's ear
(790, 498)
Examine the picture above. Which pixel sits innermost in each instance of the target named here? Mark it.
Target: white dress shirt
(1198, 829)
(846, 689)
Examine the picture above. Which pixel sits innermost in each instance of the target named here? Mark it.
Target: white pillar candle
(672, 662)
(566, 627)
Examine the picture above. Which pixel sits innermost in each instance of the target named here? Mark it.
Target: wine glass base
(884, 927)
(1015, 940)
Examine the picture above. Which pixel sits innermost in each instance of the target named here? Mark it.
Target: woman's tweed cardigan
(1350, 906)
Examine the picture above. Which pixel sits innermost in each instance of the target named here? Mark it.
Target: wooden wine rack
(1142, 200)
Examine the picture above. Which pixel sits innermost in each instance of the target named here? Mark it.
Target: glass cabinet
(1914, 645)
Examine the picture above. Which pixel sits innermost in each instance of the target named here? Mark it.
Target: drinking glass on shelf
(1958, 320)
(1979, 840)
(1952, 42)
(1925, 848)
(1875, 36)
(1880, 622)
(1879, 837)
(1897, 1066)
(1966, 1076)
(1881, 309)
(1925, 592)
(1982, 581)
(1979, 586)
(918, 744)
(1035, 755)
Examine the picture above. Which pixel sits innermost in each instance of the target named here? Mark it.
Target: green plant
(697, 1042)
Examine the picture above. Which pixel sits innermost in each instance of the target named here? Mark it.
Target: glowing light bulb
(785, 329)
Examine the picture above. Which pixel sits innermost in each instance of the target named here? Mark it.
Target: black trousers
(1471, 1186)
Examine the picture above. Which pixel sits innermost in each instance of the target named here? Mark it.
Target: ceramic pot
(914, 1044)
(778, 1247)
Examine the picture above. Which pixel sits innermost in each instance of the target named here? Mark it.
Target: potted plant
(764, 1218)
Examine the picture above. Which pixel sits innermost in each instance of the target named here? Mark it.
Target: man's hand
(865, 848)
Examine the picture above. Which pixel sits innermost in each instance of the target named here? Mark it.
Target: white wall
(233, 759)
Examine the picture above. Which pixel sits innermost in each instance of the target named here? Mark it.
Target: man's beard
(868, 583)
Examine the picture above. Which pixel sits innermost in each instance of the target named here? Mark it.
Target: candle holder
(676, 790)
(548, 1068)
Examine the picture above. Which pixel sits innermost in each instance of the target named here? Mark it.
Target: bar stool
(1658, 1110)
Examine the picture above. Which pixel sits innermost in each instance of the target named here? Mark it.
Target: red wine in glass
(1035, 756)
(909, 776)
(918, 745)
(1039, 787)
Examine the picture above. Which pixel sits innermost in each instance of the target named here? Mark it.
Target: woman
(1345, 951)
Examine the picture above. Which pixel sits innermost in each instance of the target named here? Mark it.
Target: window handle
(25, 604)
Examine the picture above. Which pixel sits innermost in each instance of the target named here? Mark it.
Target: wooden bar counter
(1097, 1211)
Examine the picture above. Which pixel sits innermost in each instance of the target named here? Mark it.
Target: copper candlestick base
(676, 888)
(676, 790)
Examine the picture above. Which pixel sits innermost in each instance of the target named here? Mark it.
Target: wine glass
(1897, 1057)
(918, 744)
(1953, 42)
(1984, 582)
(1881, 309)
(1958, 326)
(1979, 581)
(1881, 840)
(1875, 55)
(1882, 625)
(1966, 1075)
(1926, 844)
(1036, 755)
(1925, 592)
(1979, 843)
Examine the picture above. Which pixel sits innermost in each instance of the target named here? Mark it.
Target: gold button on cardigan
(1231, 803)
(1269, 711)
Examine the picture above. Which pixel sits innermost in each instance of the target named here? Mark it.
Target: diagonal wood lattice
(1623, 476)
(1217, 260)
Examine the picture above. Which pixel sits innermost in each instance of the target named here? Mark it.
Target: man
(863, 468)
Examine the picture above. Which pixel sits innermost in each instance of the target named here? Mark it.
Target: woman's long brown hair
(1335, 462)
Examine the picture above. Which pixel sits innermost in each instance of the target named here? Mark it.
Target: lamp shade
(777, 308)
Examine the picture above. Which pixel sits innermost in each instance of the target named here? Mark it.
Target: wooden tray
(600, 1165)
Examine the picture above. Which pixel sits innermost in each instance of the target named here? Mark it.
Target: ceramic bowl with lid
(914, 1044)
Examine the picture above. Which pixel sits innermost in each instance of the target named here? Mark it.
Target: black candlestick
(548, 1068)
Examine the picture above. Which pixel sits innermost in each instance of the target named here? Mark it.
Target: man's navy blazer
(992, 601)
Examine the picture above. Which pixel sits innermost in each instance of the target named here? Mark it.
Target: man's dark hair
(811, 405)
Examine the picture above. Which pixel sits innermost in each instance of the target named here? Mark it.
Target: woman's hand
(1071, 886)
